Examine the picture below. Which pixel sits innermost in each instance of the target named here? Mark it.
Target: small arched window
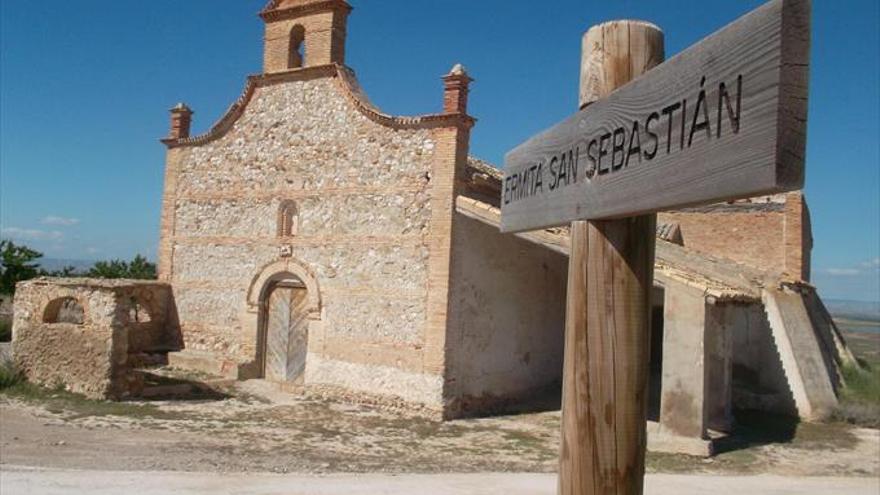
(64, 310)
(288, 218)
(296, 55)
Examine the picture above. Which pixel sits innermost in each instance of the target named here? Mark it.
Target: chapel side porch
(729, 337)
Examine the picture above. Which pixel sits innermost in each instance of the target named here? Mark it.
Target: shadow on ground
(756, 428)
(161, 387)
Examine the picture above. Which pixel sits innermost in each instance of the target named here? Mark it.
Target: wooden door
(286, 333)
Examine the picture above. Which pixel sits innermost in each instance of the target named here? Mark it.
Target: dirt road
(239, 443)
(17, 480)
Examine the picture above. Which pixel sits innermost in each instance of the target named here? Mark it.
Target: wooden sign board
(725, 119)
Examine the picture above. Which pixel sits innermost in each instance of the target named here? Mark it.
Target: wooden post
(610, 163)
(610, 277)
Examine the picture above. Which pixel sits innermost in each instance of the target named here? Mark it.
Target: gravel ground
(250, 429)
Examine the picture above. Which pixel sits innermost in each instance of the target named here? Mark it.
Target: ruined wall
(771, 233)
(507, 317)
(85, 334)
(363, 195)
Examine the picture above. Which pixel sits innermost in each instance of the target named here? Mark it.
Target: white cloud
(843, 272)
(92, 250)
(864, 267)
(874, 263)
(56, 220)
(31, 234)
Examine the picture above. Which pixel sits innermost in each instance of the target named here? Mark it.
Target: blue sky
(85, 87)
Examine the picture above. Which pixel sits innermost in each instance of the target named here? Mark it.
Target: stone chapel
(312, 239)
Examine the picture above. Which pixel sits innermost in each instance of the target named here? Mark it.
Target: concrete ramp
(834, 345)
(808, 366)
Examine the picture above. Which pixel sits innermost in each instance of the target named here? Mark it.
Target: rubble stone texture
(305, 181)
(362, 196)
(97, 357)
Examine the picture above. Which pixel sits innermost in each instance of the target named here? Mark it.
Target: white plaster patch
(383, 380)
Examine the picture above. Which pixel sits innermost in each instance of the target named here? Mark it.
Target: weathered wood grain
(600, 77)
(611, 265)
(286, 333)
(277, 334)
(576, 453)
(297, 341)
(768, 48)
(607, 347)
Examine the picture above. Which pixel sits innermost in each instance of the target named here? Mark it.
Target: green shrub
(5, 331)
(138, 268)
(860, 398)
(862, 384)
(9, 376)
(17, 263)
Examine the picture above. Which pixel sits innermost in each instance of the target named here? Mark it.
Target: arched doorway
(284, 335)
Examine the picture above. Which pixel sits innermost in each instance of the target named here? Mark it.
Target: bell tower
(304, 33)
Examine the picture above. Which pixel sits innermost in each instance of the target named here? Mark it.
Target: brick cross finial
(455, 93)
(181, 118)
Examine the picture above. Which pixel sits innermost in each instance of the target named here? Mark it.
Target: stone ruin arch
(64, 309)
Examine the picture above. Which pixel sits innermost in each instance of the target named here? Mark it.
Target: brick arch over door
(281, 270)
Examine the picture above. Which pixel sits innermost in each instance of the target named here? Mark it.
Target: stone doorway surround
(254, 315)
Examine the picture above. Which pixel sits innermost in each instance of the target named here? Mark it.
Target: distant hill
(53, 264)
(855, 310)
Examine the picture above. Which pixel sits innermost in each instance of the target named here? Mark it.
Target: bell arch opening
(296, 54)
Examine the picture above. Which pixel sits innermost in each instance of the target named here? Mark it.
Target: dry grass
(860, 398)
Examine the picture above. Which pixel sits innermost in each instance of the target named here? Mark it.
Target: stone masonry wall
(362, 192)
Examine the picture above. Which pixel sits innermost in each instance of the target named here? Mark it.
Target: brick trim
(168, 216)
(408, 187)
(351, 90)
(275, 269)
(404, 241)
(271, 13)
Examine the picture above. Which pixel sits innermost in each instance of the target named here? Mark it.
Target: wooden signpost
(724, 119)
